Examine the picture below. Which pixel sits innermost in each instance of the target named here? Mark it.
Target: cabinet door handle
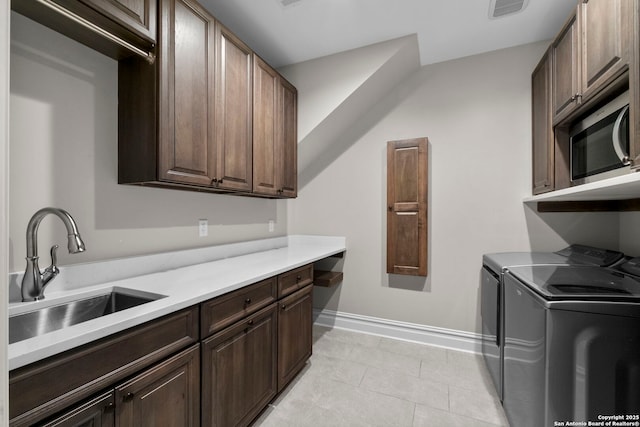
(214, 181)
(283, 306)
(109, 407)
(250, 323)
(127, 397)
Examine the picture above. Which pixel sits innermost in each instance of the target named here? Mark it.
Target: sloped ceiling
(446, 29)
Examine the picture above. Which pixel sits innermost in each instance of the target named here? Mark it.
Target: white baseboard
(440, 337)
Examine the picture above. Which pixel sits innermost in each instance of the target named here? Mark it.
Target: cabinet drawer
(46, 387)
(223, 311)
(295, 279)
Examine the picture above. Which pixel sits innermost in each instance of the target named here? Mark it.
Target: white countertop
(183, 287)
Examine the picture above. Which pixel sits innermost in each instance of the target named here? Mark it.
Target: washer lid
(561, 282)
(571, 255)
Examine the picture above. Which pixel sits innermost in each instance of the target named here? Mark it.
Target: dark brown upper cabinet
(542, 130)
(117, 28)
(407, 185)
(591, 52)
(274, 132)
(199, 136)
(165, 110)
(192, 121)
(233, 118)
(564, 52)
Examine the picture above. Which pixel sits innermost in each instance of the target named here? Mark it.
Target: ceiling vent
(500, 8)
(286, 3)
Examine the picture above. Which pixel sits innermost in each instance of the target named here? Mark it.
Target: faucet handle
(54, 260)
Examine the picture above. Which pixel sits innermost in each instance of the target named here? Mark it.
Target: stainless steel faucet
(34, 281)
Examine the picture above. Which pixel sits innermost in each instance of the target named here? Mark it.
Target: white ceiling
(446, 29)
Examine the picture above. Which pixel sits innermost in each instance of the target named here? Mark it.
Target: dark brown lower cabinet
(294, 334)
(98, 412)
(166, 395)
(239, 370)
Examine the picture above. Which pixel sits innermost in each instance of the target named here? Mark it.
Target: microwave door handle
(617, 144)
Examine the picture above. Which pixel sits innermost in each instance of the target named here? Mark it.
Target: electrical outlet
(203, 227)
(271, 226)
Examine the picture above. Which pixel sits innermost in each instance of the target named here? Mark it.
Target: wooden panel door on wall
(234, 104)
(187, 147)
(407, 165)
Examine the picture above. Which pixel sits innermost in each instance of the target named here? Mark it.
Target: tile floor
(362, 380)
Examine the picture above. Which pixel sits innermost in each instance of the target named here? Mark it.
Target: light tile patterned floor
(359, 380)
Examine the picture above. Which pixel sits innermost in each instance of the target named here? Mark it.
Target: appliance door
(594, 367)
(524, 355)
(601, 148)
(490, 311)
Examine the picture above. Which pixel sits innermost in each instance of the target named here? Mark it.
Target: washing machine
(491, 306)
(571, 344)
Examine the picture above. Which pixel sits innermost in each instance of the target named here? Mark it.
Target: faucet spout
(34, 281)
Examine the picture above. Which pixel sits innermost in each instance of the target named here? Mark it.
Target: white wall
(476, 113)
(64, 153)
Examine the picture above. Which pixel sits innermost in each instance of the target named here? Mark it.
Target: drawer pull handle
(247, 301)
(250, 323)
(298, 278)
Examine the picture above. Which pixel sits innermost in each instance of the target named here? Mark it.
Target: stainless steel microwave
(600, 143)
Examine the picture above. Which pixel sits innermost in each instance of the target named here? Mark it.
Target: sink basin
(51, 318)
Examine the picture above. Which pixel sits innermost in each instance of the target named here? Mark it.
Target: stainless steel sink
(54, 317)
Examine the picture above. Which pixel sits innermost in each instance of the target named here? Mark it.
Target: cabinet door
(288, 138)
(275, 137)
(97, 412)
(138, 16)
(565, 54)
(233, 118)
(266, 149)
(295, 324)
(239, 370)
(606, 36)
(407, 164)
(186, 60)
(542, 130)
(166, 395)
